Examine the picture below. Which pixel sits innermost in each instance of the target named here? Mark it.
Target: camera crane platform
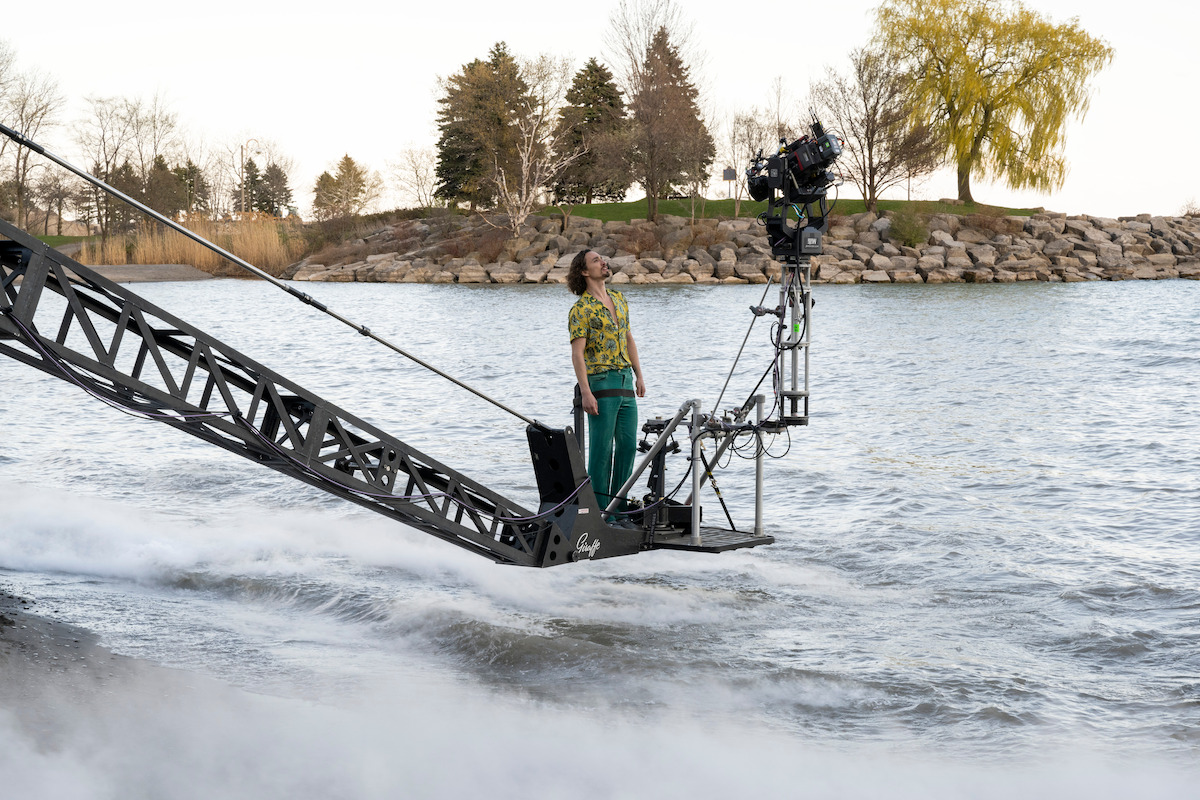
(72, 323)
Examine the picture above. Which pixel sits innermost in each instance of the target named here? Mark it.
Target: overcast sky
(359, 77)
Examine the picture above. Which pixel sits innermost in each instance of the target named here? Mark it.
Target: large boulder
(724, 269)
(750, 269)
(698, 270)
(677, 239)
(508, 272)
(879, 263)
(944, 276)
(473, 273)
(394, 272)
(982, 255)
(942, 238)
(950, 223)
(306, 272)
(972, 236)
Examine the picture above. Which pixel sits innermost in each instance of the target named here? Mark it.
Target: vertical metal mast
(792, 359)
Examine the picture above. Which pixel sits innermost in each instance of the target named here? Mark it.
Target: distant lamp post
(242, 168)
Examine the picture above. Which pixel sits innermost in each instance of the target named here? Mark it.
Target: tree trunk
(652, 206)
(964, 183)
(964, 164)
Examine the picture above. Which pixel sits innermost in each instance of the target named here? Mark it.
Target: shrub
(491, 245)
(639, 239)
(708, 236)
(908, 228)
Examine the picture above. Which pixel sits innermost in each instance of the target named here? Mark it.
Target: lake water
(986, 581)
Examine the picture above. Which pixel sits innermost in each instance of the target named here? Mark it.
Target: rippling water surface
(988, 550)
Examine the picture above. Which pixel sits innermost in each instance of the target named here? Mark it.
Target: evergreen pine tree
(595, 121)
(246, 193)
(671, 144)
(325, 197)
(475, 121)
(121, 216)
(164, 192)
(345, 194)
(274, 193)
(195, 187)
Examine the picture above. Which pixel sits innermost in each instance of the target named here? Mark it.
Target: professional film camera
(796, 178)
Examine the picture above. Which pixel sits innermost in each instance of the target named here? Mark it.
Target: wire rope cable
(21, 139)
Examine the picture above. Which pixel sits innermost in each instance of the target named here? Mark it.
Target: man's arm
(631, 347)
(589, 399)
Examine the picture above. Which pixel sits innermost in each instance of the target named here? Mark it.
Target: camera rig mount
(796, 179)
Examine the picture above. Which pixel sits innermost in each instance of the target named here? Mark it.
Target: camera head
(796, 177)
(798, 172)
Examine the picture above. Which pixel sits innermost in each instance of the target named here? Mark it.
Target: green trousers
(612, 434)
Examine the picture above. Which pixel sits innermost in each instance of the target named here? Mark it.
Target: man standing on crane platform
(606, 364)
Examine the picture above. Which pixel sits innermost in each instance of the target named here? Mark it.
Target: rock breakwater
(861, 248)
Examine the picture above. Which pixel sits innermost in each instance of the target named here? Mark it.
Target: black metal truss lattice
(134, 355)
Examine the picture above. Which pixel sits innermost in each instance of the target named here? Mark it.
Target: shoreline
(39, 654)
(862, 248)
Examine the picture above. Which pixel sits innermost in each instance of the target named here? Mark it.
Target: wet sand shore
(56, 680)
(44, 662)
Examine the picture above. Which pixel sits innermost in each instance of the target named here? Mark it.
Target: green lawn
(724, 208)
(59, 241)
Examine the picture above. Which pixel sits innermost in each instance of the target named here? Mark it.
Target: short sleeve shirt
(607, 340)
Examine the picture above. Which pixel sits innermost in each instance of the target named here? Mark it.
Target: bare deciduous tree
(415, 175)
(869, 109)
(104, 136)
(7, 60)
(649, 44)
(777, 119)
(632, 27)
(32, 105)
(153, 131)
(348, 193)
(54, 191)
(540, 152)
(745, 135)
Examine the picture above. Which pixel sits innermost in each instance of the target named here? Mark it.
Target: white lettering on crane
(585, 548)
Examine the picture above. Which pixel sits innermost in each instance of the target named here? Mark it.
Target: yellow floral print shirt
(607, 341)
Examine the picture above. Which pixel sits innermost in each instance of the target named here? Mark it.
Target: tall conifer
(595, 121)
(671, 145)
(475, 121)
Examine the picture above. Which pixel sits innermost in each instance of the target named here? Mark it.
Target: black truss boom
(70, 322)
(140, 357)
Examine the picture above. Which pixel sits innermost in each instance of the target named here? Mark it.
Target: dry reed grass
(267, 244)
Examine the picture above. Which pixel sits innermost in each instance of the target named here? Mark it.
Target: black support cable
(200, 240)
(713, 480)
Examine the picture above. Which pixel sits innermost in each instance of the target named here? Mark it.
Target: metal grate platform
(712, 540)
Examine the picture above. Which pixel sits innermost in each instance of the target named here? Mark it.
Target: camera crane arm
(72, 323)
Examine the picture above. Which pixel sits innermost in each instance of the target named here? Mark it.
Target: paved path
(141, 273)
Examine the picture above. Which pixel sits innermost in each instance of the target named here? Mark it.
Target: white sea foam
(171, 736)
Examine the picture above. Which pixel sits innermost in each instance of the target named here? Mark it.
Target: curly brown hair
(575, 280)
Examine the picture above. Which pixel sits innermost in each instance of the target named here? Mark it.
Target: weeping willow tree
(997, 81)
